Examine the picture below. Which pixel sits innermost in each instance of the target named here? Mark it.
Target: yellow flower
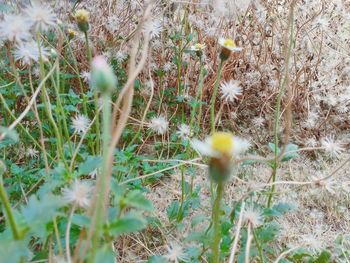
(82, 17)
(221, 144)
(71, 33)
(228, 46)
(198, 47)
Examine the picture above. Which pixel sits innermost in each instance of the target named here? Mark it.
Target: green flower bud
(102, 76)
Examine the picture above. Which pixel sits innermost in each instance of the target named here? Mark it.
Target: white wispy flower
(325, 184)
(221, 143)
(80, 123)
(168, 66)
(312, 242)
(184, 131)
(176, 253)
(332, 147)
(32, 153)
(258, 122)
(120, 56)
(159, 125)
(14, 28)
(311, 142)
(79, 193)
(85, 75)
(27, 52)
(230, 90)
(41, 16)
(153, 27)
(253, 216)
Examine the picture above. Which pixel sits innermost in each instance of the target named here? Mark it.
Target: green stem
(278, 107)
(258, 246)
(213, 98)
(88, 50)
(9, 215)
(199, 96)
(180, 213)
(100, 209)
(97, 121)
(216, 223)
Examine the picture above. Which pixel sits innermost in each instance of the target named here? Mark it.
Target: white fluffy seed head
(159, 125)
(332, 147)
(80, 123)
(79, 193)
(230, 90)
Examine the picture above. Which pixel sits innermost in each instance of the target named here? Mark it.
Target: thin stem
(69, 259)
(235, 241)
(97, 122)
(213, 98)
(216, 223)
(102, 183)
(249, 241)
(180, 214)
(279, 101)
(9, 215)
(199, 98)
(258, 246)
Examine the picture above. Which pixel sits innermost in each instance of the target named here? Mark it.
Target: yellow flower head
(228, 46)
(71, 33)
(82, 18)
(222, 142)
(229, 43)
(199, 46)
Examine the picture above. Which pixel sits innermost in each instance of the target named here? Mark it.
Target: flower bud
(102, 76)
(71, 33)
(82, 18)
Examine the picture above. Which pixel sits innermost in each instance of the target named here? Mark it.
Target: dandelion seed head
(184, 131)
(41, 16)
(159, 125)
(230, 90)
(253, 216)
(28, 52)
(14, 28)
(80, 123)
(176, 253)
(332, 147)
(79, 193)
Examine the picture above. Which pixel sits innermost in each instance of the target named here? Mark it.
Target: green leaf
(324, 257)
(268, 232)
(278, 210)
(137, 200)
(105, 255)
(127, 224)
(11, 137)
(290, 152)
(272, 148)
(13, 251)
(81, 220)
(156, 259)
(38, 213)
(91, 163)
(172, 210)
